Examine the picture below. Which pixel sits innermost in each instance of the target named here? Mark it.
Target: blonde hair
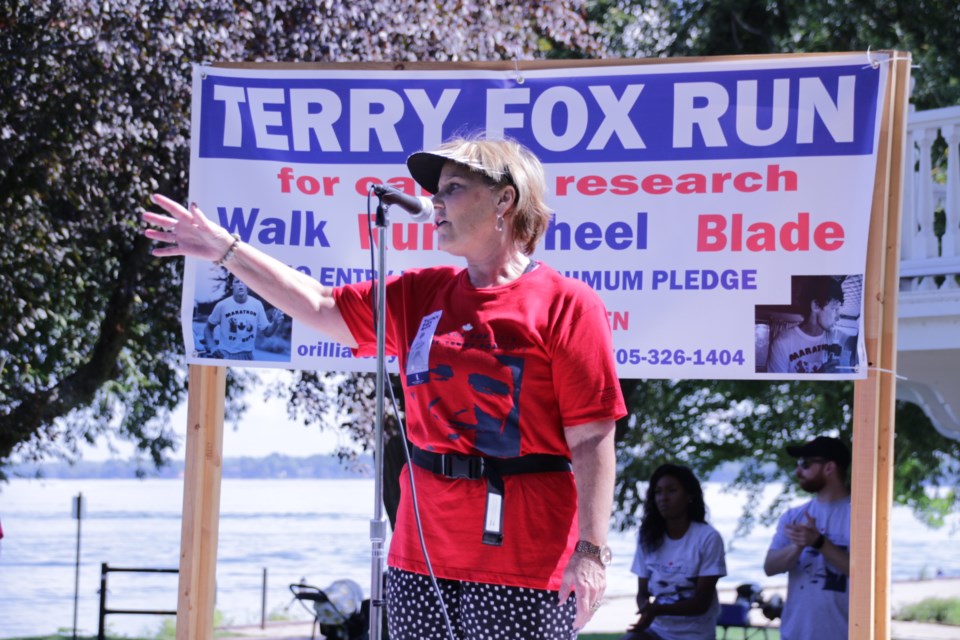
(508, 163)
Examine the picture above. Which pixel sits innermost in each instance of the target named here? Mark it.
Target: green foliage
(706, 425)
(65, 634)
(730, 634)
(938, 610)
(281, 614)
(94, 117)
(928, 29)
(750, 424)
(926, 467)
(167, 629)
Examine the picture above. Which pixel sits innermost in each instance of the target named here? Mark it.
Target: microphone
(419, 207)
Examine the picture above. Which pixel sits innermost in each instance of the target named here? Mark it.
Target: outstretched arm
(187, 232)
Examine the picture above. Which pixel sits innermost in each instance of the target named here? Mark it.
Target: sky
(263, 429)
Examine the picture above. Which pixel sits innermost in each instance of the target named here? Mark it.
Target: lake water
(313, 529)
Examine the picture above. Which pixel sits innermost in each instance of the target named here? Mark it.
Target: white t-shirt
(239, 323)
(817, 604)
(795, 351)
(672, 571)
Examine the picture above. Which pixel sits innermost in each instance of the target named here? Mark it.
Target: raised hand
(186, 232)
(803, 534)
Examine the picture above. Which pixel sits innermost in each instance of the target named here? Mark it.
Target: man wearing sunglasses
(812, 545)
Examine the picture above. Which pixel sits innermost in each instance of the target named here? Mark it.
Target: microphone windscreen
(426, 210)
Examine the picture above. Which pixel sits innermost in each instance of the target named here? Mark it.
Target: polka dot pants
(476, 611)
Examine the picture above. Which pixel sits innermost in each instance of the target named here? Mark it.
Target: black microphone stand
(378, 526)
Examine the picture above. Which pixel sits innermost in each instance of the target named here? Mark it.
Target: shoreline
(313, 529)
(618, 612)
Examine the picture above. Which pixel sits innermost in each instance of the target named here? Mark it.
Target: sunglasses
(806, 463)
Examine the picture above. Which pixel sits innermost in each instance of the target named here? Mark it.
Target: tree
(94, 117)
(929, 29)
(749, 423)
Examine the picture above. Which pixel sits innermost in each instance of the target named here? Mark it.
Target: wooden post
(900, 75)
(201, 503)
(874, 398)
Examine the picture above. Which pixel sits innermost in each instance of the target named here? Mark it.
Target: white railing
(931, 188)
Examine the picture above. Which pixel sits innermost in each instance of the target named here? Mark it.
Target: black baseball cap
(425, 166)
(832, 449)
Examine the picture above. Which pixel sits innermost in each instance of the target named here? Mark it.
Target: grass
(66, 636)
(732, 634)
(935, 610)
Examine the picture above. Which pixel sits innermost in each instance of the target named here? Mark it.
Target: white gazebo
(928, 332)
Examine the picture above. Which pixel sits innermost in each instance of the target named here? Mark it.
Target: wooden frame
(874, 398)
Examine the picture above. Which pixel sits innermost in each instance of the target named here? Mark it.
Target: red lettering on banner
(619, 320)
(405, 236)
(405, 184)
(309, 185)
(773, 179)
(716, 233)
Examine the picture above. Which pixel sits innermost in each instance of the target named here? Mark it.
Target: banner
(720, 208)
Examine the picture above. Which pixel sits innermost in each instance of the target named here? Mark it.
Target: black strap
(454, 465)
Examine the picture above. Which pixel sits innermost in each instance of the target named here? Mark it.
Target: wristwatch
(601, 554)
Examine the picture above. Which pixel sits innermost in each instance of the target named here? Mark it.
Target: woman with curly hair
(678, 561)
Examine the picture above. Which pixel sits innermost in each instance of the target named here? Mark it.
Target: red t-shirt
(497, 372)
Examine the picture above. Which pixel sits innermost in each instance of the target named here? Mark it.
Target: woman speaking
(511, 397)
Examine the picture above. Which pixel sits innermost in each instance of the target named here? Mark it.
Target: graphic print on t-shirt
(819, 572)
(477, 394)
(241, 328)
(673, 585)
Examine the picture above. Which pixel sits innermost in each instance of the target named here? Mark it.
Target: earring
(500, 224)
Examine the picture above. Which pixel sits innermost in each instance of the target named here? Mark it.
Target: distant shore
(271, 467)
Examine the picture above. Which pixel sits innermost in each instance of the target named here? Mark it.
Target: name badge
(418, 362)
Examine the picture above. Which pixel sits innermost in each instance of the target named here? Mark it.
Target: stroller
(736, 615)
(339, 612)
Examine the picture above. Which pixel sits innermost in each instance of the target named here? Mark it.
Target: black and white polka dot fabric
(477, 611)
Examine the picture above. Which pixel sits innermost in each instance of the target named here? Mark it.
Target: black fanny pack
(455, 465)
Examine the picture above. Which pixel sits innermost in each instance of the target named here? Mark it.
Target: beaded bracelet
(229, 254)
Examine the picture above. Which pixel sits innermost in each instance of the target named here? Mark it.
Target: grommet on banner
(516, 65)
(875, 64)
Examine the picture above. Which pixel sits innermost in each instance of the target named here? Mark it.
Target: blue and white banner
(720, 208)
